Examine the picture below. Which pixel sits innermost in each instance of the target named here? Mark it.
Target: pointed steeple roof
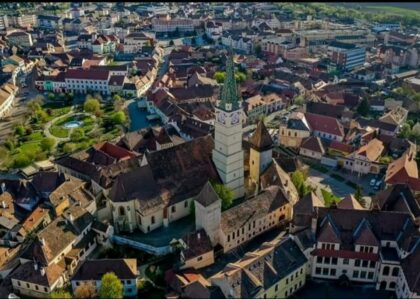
(229, 98)
(350, 203)
(207, 195)
(261, 140)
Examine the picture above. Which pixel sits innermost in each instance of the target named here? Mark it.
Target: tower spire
(229, 99)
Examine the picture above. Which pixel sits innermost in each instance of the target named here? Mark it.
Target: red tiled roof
(342, 147)
(87, 74)
(346, 254)
(325, 124)
(114, 151)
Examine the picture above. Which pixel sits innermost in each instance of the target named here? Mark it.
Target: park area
(55, 127)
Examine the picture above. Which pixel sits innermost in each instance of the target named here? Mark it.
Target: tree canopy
(47, 144)
(225, 195)
(298, 179)
(91, 105)
(85, 291)
(111, 287)
(60, 294)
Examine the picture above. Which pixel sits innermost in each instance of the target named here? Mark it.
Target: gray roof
(207, 195)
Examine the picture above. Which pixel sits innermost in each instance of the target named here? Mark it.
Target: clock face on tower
(221, 118)
(235, 118)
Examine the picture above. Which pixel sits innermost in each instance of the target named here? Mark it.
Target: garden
(55, 127)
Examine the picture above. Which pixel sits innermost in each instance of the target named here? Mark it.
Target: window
(363, 274)
(18, 283)
(365, 263)
(153, 219)
(395, 271)
(129, 290)
(346, 261)
(319, 259)
(372, 264)
(334, 261)
(357, 263)
(392, 285)
(36, 287)
(199, 258)
(370, 275)
(122, 211)
(325, 271)
(327, 260)
(317, 271)
(287, 280)
(385, 271)
(355, 274)
(276, 288)
(228, 238)
(173, 209)
(27, 285)
(185, 204)
(46, 290)
(333, 271)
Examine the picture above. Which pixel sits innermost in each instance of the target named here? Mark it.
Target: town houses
(208, 150)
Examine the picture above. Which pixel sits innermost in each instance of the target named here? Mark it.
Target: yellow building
(294, 130)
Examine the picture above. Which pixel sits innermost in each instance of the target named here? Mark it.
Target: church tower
(228, 155)
(260, 155)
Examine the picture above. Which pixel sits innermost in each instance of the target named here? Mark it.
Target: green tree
(60, 294)
(91, 105)
(364, 107)
(111, 286)
(299, 100)
(405, 131)
(41, 115)
(225, 195)
(219, 77)
(47, 144)
(119, 118)
(118, 102)
(77, 135)
(69, 147)
(20, 130)
(358, 195)
(298, 179)
(22, 160)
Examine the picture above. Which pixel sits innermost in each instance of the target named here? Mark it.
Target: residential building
(91, 272)
(165, 25)
(312, 147)
(293, 130)
(365, 159)
(262, 105)
(135, 41)
(83, 81)
(275, 270)
(20, 38)
(8, 92)
(325, 127)
(196, 251)
(347, 56)
(404, 170)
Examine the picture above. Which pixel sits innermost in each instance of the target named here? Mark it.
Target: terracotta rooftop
(349, 202)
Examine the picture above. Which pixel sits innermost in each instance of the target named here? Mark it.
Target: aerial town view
(209, 150)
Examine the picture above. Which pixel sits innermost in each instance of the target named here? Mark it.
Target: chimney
(3, 187)
(36, 266)
(43, 271)
(198, 236)
(42, 241)
(3, 204)
(71, 218)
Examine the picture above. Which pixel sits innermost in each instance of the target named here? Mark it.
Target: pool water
(72, 124)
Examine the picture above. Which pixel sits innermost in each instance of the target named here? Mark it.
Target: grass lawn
(57, 109)
(35, 136)
(59, 131)
(329, 198)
